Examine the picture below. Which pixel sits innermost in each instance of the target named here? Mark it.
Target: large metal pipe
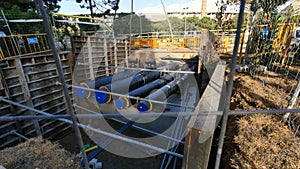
(125, 102)
(95, 84)
(162, 93)
(125, 85)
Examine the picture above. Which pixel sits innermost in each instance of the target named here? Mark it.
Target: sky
(139, 6)
(146, 6)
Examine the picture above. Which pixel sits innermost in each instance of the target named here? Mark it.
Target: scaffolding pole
(230, 83)
(168, 114)
(62, 80)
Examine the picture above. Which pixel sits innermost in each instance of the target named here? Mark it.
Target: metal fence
(22, 45)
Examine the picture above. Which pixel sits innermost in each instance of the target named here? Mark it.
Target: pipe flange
(122, 103)
(88, 93)
(109, 98)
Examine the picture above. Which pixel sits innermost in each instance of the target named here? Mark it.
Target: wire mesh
(267, 79)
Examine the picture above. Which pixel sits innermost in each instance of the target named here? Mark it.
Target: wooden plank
(201, 128)
(9, 96)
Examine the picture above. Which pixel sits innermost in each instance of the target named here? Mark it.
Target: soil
(261, 141)
(39, 154)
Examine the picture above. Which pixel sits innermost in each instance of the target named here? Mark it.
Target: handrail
(26, 44)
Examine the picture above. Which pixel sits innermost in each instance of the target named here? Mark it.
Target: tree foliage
(269, 13)
(25, 9)
(138, 24)
(268, 6)
(163, 26)
(100, 7)
(21, 28)
(207, 23)
(52, 5)
(25, 5)
(63, 29)
(189, 23)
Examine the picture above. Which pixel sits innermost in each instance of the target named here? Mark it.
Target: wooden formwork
(97, 56)
(31, 80)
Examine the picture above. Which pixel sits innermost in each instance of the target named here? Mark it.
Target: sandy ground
(37, 153)
(260, 141)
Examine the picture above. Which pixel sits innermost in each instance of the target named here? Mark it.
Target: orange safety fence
(279, 39)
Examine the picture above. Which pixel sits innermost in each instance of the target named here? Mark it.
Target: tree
(233, 21)
(63, 29)
(177, 24)
(122, 25)
(21, 28)
(103, 7)
(207, 23)
(163, 26)
(194, 23)
(268, 6)
(25, 5)
(52, 5)
(25, 9)
(87, 27)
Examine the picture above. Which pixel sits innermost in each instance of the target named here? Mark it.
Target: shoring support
(3, 83)
(62, 80)
(292, 101)
(141, 69)
(169, 114)
(230, 83)
(172, 114)
(90, 58)
(27, 94)
(18, 134)
(168, 20)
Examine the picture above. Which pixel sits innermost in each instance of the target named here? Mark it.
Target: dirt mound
(261, 141)
(38, 153)
(264, 142)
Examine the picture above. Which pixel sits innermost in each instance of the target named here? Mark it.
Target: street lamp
(186, 8)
